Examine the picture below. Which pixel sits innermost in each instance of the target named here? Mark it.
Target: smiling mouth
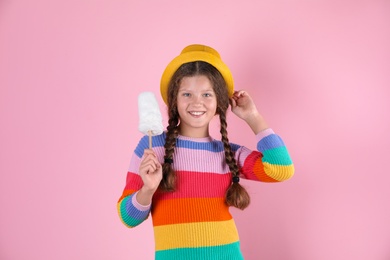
(196, 113)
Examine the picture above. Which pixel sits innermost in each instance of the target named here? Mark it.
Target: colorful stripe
(190, 235)
(264, 133)
(194, 222)
(133, 183)
(193, 210)
(211, 161)
(159, 141)
(269, 142)
(278, 172)
(190, 183)
(256, 169)
(241, 156)
(213, 146)
(221, 252)
(139, 206)
(277, 156)
(130, 215)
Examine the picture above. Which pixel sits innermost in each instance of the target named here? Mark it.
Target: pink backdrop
(70, 73)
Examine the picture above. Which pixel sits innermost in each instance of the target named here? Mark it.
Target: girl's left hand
(243, 105)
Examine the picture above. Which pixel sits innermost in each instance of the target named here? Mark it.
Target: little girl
(188, 181)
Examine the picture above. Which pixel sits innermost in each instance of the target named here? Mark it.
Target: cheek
(213, 106)
(181, 106)
(214, 102)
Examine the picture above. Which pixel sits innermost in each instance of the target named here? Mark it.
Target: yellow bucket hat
(196, 52)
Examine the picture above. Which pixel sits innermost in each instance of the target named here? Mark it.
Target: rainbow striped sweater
(194, 222)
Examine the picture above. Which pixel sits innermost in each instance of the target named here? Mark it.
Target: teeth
(196, 113)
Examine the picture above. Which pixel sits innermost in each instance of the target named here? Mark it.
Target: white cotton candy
(149, 114)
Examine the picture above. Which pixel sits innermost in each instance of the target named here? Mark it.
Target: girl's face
(197, 105)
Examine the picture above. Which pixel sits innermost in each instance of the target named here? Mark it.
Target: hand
(150, 171)
(244, 107)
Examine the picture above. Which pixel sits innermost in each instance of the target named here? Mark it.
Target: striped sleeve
(130, 211)
(270, 163)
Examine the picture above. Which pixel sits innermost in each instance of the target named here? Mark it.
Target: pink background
(70, 73)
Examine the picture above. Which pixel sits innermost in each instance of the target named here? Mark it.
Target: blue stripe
(269, 142)
(213, 146)
(159, 141)
(223, 252)
(130, 214)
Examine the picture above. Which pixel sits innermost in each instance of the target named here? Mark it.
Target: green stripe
(126, 218)
(278, 156)
(223, 252)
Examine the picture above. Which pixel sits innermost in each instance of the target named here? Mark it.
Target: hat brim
(192, 56)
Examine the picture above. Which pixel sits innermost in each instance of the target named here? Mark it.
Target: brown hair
(236, 195)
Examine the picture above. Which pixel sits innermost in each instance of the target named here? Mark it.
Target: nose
(197, 100)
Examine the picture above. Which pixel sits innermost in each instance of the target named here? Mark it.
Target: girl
(189, 180)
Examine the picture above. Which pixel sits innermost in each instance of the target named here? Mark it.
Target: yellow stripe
(195, 234)
(279, 172)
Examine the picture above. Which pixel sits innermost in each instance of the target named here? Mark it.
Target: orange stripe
(126, 193)
(258, 169)
(176, 211)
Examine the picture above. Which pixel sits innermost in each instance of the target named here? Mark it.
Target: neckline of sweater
(206, 139)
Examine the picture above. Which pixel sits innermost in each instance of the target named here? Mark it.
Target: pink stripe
(197, 185)
(188, 160)
(134, 164)
(241, 155)
(264, 133)
(137, 205)
(136, 161)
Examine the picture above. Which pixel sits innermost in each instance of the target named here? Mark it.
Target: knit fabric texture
(194, 222)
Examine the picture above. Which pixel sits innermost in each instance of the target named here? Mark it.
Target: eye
(186, 94)
(207, 95)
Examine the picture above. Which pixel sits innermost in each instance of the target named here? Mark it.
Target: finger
(150, 161)
(242, 93)
(150, 157)
(236, 94)
(233, 102)
(148, 169)
(149, 152)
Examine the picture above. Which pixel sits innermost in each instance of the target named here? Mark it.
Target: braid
(236, 195)
(169, 176)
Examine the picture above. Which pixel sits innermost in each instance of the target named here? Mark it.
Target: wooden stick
(150, 139)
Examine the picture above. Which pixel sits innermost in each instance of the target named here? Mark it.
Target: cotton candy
(150, 120)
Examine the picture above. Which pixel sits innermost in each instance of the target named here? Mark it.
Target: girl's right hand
(150, 171)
